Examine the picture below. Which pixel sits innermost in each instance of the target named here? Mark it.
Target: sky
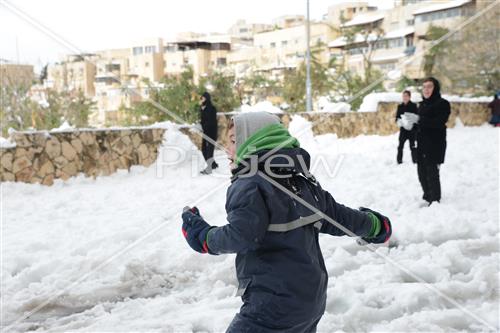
(93, 25)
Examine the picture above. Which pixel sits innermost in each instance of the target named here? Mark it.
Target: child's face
(406, 98)
(231, 146)
(427, 89)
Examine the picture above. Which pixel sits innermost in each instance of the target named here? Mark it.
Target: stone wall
(41, 157)
(351, 124)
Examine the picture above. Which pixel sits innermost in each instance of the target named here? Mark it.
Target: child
(280, 269)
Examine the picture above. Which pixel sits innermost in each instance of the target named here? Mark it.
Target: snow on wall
(41, 157)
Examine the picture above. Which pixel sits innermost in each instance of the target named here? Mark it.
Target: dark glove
(385, 227)
(195, 229)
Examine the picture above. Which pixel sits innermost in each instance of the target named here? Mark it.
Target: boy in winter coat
(406, 131)
(280, 269)
(433, 112)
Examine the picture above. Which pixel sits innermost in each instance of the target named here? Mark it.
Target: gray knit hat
(246, 124)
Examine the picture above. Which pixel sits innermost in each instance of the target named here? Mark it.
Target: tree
(222, 90)
(294, 90)
(16, 108)
(434, 33)
(19, 111)
(475, 67)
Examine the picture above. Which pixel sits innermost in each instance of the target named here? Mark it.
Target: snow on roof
(359, 38)
(441, 6)
(399, 33)
(364, 19)
(388, 57)
(342, 41)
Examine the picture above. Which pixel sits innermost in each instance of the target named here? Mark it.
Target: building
(340, 13)
(288, 21)
(75, 73)
(396, 38)
(203, 55)
(146, 60)
(244, 31)
(12, 74)
(282, 49)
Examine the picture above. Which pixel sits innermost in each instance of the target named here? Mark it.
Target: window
(150, 49)
(410, 22)
(146, 64)
(243, 30)
(273, 45)
(137, 50)
(169, 48)
(221, 61)
(284, 43)
(396, 42)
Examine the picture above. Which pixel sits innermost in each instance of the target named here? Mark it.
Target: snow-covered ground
(108, 254)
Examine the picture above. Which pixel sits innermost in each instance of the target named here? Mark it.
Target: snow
(6, 143)
(370, 101)
(112, 248)
(358, 38)
(388, 57)
(441, 6)
(65, 126)
(261, 106)
(364, 19)
(399, 33)
(325, 105)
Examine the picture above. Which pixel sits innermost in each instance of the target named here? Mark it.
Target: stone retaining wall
(382, 122)
(41, 157)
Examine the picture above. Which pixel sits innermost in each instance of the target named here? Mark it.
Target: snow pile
(6, 143)
(370, 101)
(325, 105)
(65, 126)
(265, 106)
(108, 254)
(465, 99)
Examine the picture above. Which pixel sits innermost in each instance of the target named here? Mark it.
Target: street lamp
(308, 63)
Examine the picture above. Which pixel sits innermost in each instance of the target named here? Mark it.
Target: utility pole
(308, 63)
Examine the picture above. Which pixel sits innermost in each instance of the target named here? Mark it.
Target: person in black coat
(407, 107)
(208, 116)
(434, 112)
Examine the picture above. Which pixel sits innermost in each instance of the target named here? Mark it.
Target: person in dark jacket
(208, 116)
(279, 265)
(433, 112)
(404, 109)
(495, 110)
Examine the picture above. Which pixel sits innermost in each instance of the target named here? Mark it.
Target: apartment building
(244, 31)
(203, 55)
(281, 49)
(396, 38)
(288, 21)
(337, 14)
(75, 72)
(12, 74)
(146, 60)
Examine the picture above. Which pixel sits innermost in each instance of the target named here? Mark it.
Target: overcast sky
(93, 25)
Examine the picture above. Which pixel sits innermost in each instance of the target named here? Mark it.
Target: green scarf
(269, 137)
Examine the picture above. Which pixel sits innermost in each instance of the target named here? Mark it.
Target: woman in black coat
(434, 112)
(208, 116)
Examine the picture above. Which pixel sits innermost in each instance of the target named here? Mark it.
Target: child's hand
(195, 229)
(385, 227)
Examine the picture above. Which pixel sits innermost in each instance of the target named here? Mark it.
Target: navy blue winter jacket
(281, 274)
